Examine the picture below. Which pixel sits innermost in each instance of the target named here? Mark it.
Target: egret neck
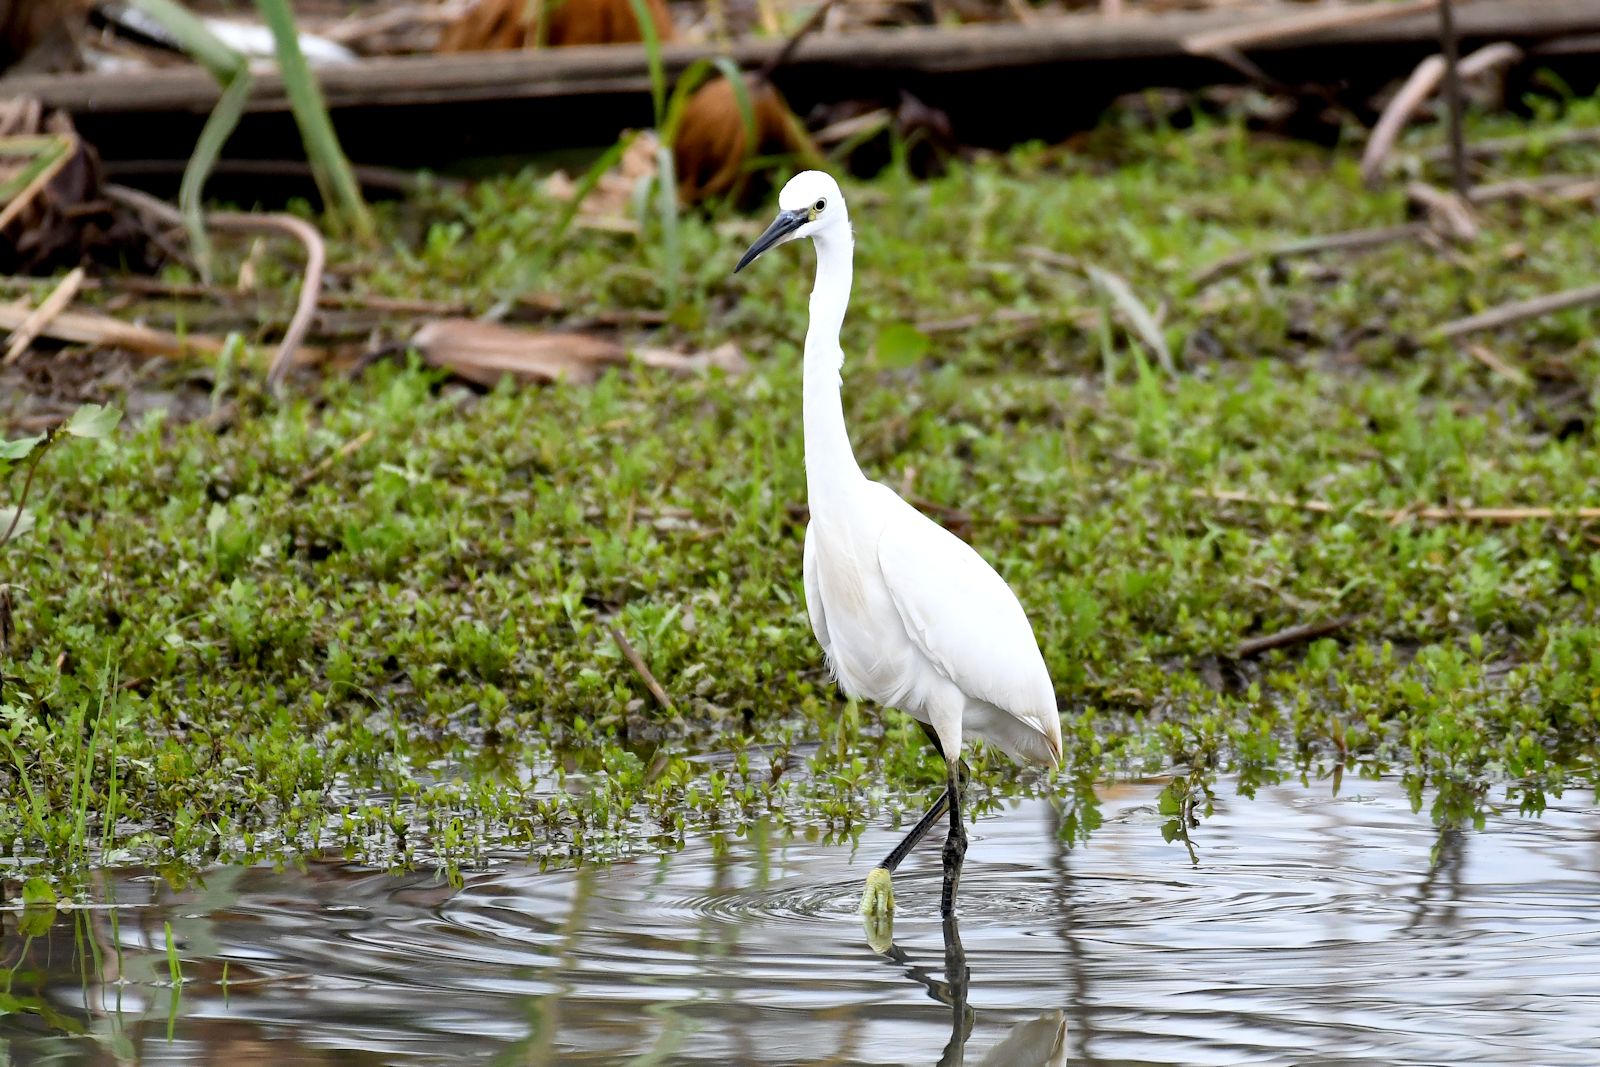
(831, 468)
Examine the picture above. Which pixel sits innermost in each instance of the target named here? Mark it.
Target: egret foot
(877, 909)
(878, 898)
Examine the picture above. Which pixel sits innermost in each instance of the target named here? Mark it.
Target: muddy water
(1313, 929)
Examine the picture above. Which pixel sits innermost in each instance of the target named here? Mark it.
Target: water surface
(1313, 929)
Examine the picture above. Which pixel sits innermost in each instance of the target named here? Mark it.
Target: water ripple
(1311, 925)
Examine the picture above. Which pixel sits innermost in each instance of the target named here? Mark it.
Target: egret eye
(819, 205)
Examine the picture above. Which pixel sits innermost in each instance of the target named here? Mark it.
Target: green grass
(409, 657)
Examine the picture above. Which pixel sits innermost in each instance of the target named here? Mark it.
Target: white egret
(908, 615)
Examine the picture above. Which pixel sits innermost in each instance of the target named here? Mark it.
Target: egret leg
(955, 845)
(891, 862)
(877, 900)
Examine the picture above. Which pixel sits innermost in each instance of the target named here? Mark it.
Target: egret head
(809, 205)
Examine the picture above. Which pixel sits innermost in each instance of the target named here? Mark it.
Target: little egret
(908, 615)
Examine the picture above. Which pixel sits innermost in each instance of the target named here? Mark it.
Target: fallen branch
(1425, 514)
(1294, 635)
(1519, 311)
(27, 332)
(1275, 30)
(1126, 49)
(1504, 146)
(139, 285)
(641, 668)
(88, 328)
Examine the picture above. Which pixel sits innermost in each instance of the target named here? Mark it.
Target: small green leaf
(1167, 802)
(93, 420)
(37, 891)
(34, 922)
(900, 345)
(19, 448)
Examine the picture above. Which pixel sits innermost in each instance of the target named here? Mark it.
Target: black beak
(786, 223)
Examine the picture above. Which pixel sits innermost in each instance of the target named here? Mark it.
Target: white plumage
(908, 615)
(911, 617)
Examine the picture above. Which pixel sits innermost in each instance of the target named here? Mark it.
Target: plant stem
(329, 166)
(33, 465)
(1452, 92)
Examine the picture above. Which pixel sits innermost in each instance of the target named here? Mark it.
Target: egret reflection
(1040, 1042)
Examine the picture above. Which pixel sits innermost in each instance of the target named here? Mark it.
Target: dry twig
(310, 282)
(1483, 354)
(1425, 514)
(1294, 635)
(1448, 213)
(1552, 188)
(641, 668)
(343, 452)
(1347, 241)
(1519, 311)
(28, 330)
(241, 222)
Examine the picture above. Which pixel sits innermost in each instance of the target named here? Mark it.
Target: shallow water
(1314, 929)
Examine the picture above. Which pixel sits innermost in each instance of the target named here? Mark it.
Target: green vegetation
(223, 651)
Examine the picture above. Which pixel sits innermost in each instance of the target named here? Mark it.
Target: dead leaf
(24, 524)
(499, 25)
(608, 203)
(53, 208)
(485, 352)
(711, 149)
(725, 357)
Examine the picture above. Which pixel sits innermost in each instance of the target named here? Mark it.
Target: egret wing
(962, 615)
(808, 568)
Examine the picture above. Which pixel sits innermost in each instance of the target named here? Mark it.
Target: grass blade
(195, 37)
(667, 204)
(219, 127)
(652, 52)
(1139, 317)
(690, 80)
(591, 177)
(741, 96)
(232, 72)
(330, 168)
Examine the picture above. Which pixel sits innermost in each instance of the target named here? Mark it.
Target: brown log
(865, 57)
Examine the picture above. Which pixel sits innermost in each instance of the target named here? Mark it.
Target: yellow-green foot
(877, 910)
